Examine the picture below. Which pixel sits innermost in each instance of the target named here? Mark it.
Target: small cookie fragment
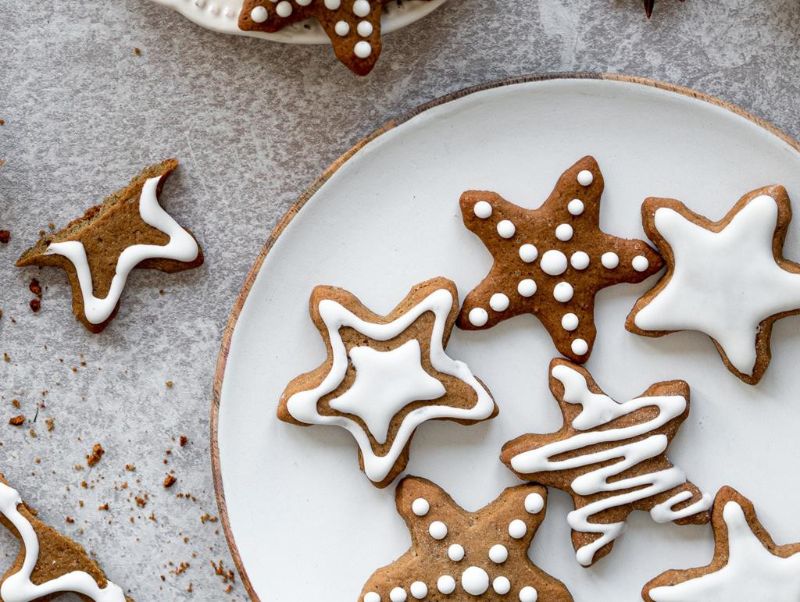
(386, 375)
(611, 458)
(459, 555)
(128, 230)
(747, 564)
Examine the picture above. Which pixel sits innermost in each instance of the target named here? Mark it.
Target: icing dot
(364, 29)
(579, 347)
(579, 260)
(564, 232)
(609, 260)
(575, 207)
(498, 553)
(362, 49)
(553, 263)
(482, 209)
(372, 597)
(342, 28)
(420, 506)
(517, 529)
(478, 316)
(499, 302)
(446, 584)
(569, 322)
(506, 228)
(361, 8)
(640, 263)
(456, 552)
(526, 287)
(259, 14)
(585, 177)
(333, 4)
(303, 2)
(284, 9)
(418, 590)
(501, 586)
(438, 529)
(534, 503)
(528, 594)
(398, 594)
(563, 292)
(528, 253)
(475, 581)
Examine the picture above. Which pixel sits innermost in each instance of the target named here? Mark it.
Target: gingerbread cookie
(48, 563)
(611, 458)
(460, 555)
(727, 279)
(354, 26)
(386, 375)
(98, 251)
(747, 565)
(551, 261)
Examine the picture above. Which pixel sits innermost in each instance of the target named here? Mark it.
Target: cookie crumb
(36, 305)
(130, 467)
(183, 440)
(51, 424)
(17, 420)
(169, 481)
(96, 455)
(137, 51)
(103, 507)
(5, 236)
(169, 384)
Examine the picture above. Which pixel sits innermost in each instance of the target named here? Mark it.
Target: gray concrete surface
(253, 124)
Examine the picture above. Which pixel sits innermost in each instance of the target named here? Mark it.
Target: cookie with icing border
(354, 26)
(551, 261)
(747, 564)
(48, 563)
(611, 458)
(98, 250)
(461, 555)
(385, 375)
(727, 279)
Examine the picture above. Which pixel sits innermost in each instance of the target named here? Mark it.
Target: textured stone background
(253, 124)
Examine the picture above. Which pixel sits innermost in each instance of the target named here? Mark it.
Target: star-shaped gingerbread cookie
(747, 564)
(727, 279)
(386, 375)
(98, 251)
(611, 458)
(460, 555)
(551, 261)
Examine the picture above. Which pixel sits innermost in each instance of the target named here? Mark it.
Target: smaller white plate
(223, 16)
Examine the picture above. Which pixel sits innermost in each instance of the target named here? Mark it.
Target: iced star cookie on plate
(747, 566)
(386, 375)
(611, 458)
(551, 261)
(459, 555)
(727, 279)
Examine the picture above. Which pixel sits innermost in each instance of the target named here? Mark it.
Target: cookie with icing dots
(727, 279)
(354, 26)
(459, 555)
(48, 563)
(611, 458)
(747, 564)
(551, 261)
(98, 251)
(386, 375)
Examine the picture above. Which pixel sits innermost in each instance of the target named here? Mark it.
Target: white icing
(259, 14)
(364, 29)
(501, 585)
(527, 287)
(361, 8)
(419, 590)
(181, 247)
(553, 263)
(517, 528)
(438, 530)
(534, 503)
(723, 283)
(585, 177)
(506, 228)
(528, 594)
(385, 383)
(333, 4)
(564, 232)
(18, 587)
(372, 597)
(446, 585)
(498, 553)
(303, 405)
(597, 410)
(475, 581)
(575, 207)
(420, 506)
(499, 302)
(398, 594)
(478, 316)
(579, 260)
(342, 28)
(563, 292)
(640, 263)
(610, 260)
(482, 209)
(456, 552)
(751, 573)
(303, 2)
(528, 253)
(362, 49)
(579, 347)
(569, 322)
(284, 9)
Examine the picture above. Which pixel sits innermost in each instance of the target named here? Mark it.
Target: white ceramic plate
(223, 16)
(306, 524)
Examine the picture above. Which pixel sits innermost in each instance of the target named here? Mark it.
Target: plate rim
(311, 190)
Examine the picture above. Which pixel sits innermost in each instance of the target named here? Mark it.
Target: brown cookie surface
(458, 555)
(611, 458)
(105, 241)
(727, 279)
(386, 375)
(551, 261)
(747, 564)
